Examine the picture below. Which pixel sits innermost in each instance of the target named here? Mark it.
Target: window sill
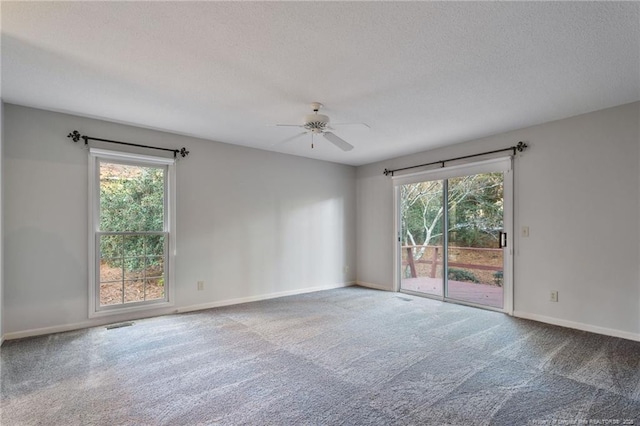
(130, 309)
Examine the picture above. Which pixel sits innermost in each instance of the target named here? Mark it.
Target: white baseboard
(578, 326)
(374, 286)
(97, 322)
(249, 299)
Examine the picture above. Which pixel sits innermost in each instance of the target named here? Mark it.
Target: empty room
(320, 213)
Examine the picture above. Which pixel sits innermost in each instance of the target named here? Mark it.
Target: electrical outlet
(200, 285)
(525, 231)
(554, 296)
(345, 269)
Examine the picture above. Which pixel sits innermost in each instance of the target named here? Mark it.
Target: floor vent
(119, 325)
(404, 298)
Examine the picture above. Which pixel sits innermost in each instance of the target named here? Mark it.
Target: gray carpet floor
(349, 356)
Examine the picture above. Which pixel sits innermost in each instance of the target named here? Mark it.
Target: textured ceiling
(421, 74)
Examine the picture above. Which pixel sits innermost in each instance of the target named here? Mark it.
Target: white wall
(1, 227)
(578, 189)
(250, 223)
(253, 223)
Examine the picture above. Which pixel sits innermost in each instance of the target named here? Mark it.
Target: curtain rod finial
(521, 146)
(184, 152)
(75, 136)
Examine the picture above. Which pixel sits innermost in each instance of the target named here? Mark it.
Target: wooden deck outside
(481, 294)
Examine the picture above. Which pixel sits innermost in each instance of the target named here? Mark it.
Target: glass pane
(111, 270)
(154, 245)
(111, 246)
(131, 198)
(133, 291)
(134, 268)
(475, 259)
(134, 245)
(154, 266)
(110, 293)
(421, 237)
(141, 276)
(155, 288)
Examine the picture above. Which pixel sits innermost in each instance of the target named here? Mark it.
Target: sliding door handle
(503, 240)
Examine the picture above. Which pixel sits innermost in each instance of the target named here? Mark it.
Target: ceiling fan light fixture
(316, 123)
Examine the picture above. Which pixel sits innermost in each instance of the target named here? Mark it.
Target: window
(131, 237)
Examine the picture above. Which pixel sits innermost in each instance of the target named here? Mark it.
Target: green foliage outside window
(475, 211)
(132, 200)
(498, 278)
(462, 275)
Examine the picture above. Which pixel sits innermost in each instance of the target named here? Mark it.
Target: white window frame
(95, 156)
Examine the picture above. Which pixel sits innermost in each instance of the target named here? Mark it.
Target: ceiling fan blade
(337, 141)
(289, 139)
(351, 124)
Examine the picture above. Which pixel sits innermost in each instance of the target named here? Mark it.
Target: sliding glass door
(475, 239)
(421, 248)
(452, 236)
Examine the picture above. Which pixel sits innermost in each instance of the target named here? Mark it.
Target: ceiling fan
(319, 124)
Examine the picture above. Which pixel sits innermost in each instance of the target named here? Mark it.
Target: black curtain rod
(76, 136)
(521, 146)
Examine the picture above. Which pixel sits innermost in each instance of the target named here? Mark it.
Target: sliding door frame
(503, 164)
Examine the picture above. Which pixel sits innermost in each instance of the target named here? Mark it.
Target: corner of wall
(374, 286)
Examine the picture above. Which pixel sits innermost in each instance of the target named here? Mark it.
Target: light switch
(525, 231)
